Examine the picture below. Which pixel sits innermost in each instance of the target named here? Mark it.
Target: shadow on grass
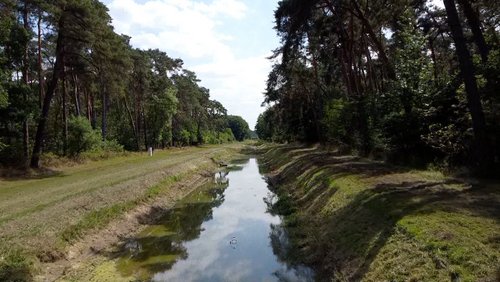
(360, 229)
(10, 174)
(350, 237)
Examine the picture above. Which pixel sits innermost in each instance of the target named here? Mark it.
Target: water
(221, 232)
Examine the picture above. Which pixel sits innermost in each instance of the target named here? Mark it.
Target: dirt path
(35, 213)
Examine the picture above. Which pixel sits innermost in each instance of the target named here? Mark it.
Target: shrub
(227, 135)
(81, 136)
(185, 137)
(103, 150)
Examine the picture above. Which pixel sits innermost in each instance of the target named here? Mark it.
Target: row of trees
(404, 79)
(63, 70)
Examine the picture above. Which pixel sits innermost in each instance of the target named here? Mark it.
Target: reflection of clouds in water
(243, 216)
(298, 274)
(203, 252)
(237, 272)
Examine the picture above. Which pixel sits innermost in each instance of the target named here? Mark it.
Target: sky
(225, 42)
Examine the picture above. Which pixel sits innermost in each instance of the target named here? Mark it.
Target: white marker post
(150, 151)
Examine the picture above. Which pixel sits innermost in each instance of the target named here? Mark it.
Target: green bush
(103, 150)
(81, 136)
(212, 137)
(227, 135)
(185, 137)
(111, 146)
(337, 114)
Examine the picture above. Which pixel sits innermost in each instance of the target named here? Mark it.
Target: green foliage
(4, 100)
(185, 137)
(337, 114)
(141, 98)
(81, 136)
(213, 137)
(227, 136)
(267, 126)
(239, 126)
(398, 94)
(161, 110)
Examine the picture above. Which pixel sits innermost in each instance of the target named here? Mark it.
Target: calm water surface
(221, 232)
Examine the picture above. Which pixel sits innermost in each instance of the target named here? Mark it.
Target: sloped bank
(53, 225)
(354, 219)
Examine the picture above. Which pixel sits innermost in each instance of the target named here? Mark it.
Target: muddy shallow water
(220, 232)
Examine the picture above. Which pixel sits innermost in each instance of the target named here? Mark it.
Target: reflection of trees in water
(270, 200)
(221, 178)
(289, 256)
(183, 224)
(279, 242)
(299, 273)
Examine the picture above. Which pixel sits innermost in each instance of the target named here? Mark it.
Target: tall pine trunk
(146, 143)
(482, 156)
(391, 74)
(104, 117)
(93, 112)
(26, 83)
(76, 95)
(475, 26)
(132, 123)
(64, 94)
(40, 66)
(37, 148)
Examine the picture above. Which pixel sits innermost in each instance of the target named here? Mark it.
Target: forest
(378, 142)
(404, 81)
(69, 84)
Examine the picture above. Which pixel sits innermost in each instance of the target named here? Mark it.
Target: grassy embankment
(356, 219)
(42, 216)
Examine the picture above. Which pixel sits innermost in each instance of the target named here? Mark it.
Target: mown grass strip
(101, 217)
(48, 204)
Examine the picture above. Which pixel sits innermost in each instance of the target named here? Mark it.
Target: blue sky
(225, 42)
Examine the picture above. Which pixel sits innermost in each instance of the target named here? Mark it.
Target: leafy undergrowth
(355, 219)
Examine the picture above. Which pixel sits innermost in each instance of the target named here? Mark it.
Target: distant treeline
(396, 79)
(69, 83)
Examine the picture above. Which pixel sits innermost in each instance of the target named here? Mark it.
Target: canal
(220, 232)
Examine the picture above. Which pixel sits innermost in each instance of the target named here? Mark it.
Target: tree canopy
(239, 127)
(63, 68)
(404, 80)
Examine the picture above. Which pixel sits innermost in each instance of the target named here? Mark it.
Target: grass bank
(354, 219)
(42, 216)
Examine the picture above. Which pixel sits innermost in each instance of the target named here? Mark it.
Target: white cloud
(437, 3)
(238, 82)
(186, 26)
(199, 32)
